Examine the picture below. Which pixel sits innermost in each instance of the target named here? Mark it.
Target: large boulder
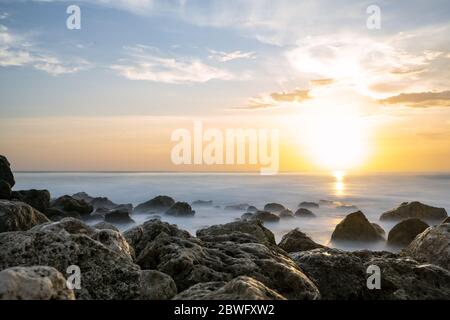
(180, 209)
(157, 204)
(296, 241)
(156, 285)
(265, 216)
(5, 171)
(34, 283)
(379, 229)
(274, 207)
(107, 272)
(286, 214)
(416, 210)
(405, 231)
(118, 216)
(38, 199)
(190, 261)
(308, 204)
(355, 227)
(102, 203)
(304, 213)
(5, 190)
(240, 288)
(18, 216)
(72, 207)
(432, 246)
(105, 226)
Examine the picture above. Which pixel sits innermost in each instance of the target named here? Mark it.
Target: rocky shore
(41, 238)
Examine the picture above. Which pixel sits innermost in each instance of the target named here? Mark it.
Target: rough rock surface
(5, 190)
(156, 285)
(304, 213)
(265, 216)
(355, 227)
(38, 199)
(415, 210)
(180, 209)
(105, 226)
(296, 241)
(5, 171)
(157, 204)
(118, 216)
(33, 283)
(70, 206)
(274, 207)
(240, 288)
(18, 216)
(405, 231)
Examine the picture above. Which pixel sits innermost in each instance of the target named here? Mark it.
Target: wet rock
(432, 246)
(38, 199)
(118, 216)
(415, 210)
(296, 241)
(286, 214)
(105, 226)
(405, 231)
(304, 213)
(202, 203)
(307, 204)
(240, 288)
(18, 216)
(379, 229)
(274, 207)
(33, 283)
(5, 171)
(156, 285)
(5, 190)
(157, 204)
(252, 209)
(180, 209)
(347, 207)
(247, 216)
(265, 216)
(355, 227)
(71, 207)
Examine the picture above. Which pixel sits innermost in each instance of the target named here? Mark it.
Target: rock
(5, 190)
(237, 207)
(190, 261)
(326, 203)
(304, 213)
(265, 216)
(114, 241)
(252, 209)
(105, 273)
(202, 203)
(240, 288)
(66, 225)
(415, 210)
(347, 207)
(247, 216)
(286, 214)
(379, 229)
(274, 207)
(157, 204)
(18, 216)
(355, 227)
(296, 241)
(431, 246)
(102, 204)
(105, 226)
(238, 231)
(156, 285)
(56, 214)
(38, 199)
(71, 207)
(447, 220)
(34, 283)
(180, 209)
(405, 231)
(307, 204)
(118, 216)
(5, 171)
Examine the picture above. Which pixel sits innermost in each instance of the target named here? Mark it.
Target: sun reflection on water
(339, 185)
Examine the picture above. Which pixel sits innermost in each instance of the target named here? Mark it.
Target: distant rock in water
(5, 190)
(379, 229)
(38, 199)
(202, 203)
(405, 231)
(347, 207)
(252, 209)
(180, 209)
(355, 227)
(286, 214)
(118, 216)
(69, 206)
(19, 216)
(296, 241)
(326, 203)
(5, 171)
(415, 210)
(304, 213)
(274, 207)
(307, 204)
(265, 216)
(155, 205)
(238, 207)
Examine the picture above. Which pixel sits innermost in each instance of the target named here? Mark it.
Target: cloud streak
(419, 99)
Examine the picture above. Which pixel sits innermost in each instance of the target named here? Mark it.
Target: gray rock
(70, 206)
(237, 207)
(5, 190)
(180, 209)
(252, 209)
(405, 231)
(240, 288)
(156, 285)
(5, 171)
(307, 204)
(34, 283)
(114, 241)
(355, 227)
(379, 229)
(38, 199)
(415, 210)
(296, 241)
(304, 213)
(286, 214)
(274, 207)
(202, 203)
(118, 216)
(105, 226)
(265, 216)
(18, 216)
(347, 207)
(157, 204)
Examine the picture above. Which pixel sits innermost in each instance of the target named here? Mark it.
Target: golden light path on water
(339, 186)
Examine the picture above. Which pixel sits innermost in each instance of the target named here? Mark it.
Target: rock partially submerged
(118, 216)
(405, 231)
(155, 205)
(379, 229)
(416, 210)
(202, 203)
(308, 204)
(265, 216)
(237, 207)
(274, 207)
(286, 214)
(180, 209)
(304, 213)
(67, 206)
(297, 241)
(355, 227)
(5, 171)
(18, 216)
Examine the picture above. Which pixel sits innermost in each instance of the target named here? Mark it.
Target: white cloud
(222, 56)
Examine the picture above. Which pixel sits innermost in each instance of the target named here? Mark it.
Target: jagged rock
(69, 225)
(238, 231)
(240, 288)
(38, 199)
(69, 206)
(252, 209)
(355, 227)
(105, 226)
(56, 214)
(34, 283)
(18, 216)
(405, 231)
(5, 190)
(180, 209)
(415, 210)
(156, 285)
(379, 229)
(118, 216)
(5, 171)
(265, 216)
(274, 207)
(114, 241)
(296, 241)
(286, 214)
(157, 204)
(432, 246)
(102, 205)
(304, 213)
(237, 207)
(202, 203)
(307, 204)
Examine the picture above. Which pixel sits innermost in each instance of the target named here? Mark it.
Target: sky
(109, 95)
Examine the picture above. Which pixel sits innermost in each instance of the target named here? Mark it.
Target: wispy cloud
(276, 99)
(229, 56)
(420, 99)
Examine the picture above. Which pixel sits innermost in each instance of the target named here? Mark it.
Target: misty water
(372, 194)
